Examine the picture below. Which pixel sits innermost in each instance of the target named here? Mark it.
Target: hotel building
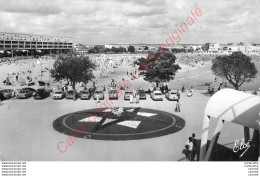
(17, 41)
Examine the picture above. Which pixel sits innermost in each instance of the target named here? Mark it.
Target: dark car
(41, 94)
(31, 83)
(113, 94)
(141, 94)
(70, 94)
(24, 93)
(85, 95)
(41, 83)
(30, 89)
(6, 93)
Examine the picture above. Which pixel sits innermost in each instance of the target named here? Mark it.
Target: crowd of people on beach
(193, 60)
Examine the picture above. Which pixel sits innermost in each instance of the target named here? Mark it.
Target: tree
(205, 47)
(236, 68)
(131, 49)
(91, 50)
(76, 69)
(178, 50)
(158, 67)
(106, 50)
(146, 48)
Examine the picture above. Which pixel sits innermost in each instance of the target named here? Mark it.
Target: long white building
(17, 41)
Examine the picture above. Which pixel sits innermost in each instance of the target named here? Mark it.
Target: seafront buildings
(213, 48)
(17, 41)
(11, 42)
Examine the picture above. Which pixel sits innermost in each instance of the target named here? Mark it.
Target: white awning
(236, 107)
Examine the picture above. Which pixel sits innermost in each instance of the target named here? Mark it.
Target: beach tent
(233, 106)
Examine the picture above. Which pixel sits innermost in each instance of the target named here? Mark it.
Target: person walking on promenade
(183, 89)
(137, 98)
(177, 108)
(98, 101)
(194, 149)
(131, 98)
(178, 94)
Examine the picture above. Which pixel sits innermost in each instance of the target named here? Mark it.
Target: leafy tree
(106, 50)
(96, 48)
(158, 67)
(236, 68)
(205, 47)
(131, 49)
(114, 49)
(178, 50)
(76, 69)
(146, 48)
(197, 49)
(91, 50)
(121, 49)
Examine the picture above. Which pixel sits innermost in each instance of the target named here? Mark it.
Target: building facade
(214, 47)
(17, 41)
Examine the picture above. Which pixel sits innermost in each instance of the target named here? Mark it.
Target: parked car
(127, 94)
(172, 96)
(7, 93)
(41, 94)
(24, 93)
(59, 95)
(41, 83)
(85, 94)
(157, 96)
(30, 89)
(141, 94)
(70, 94)
(31, 83)
(113, 94)
(100, 95)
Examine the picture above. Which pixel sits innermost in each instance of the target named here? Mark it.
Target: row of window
(32, 38)
(28, 47)
(16, 42)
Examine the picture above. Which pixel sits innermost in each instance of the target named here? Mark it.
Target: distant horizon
(134, 21)
(123, 43)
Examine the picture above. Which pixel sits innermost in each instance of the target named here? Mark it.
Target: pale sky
(133, 21)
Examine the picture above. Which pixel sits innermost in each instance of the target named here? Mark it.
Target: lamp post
(41, 71)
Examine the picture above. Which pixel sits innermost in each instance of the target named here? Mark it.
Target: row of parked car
(24, 93)
(170, 95)
(86, 94)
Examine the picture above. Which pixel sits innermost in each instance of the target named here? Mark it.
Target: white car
(172, 96)
(59, 95)
(157, 96)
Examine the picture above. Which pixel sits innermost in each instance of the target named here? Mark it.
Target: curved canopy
(236, 107)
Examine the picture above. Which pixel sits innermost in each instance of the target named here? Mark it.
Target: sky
(93, 22)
